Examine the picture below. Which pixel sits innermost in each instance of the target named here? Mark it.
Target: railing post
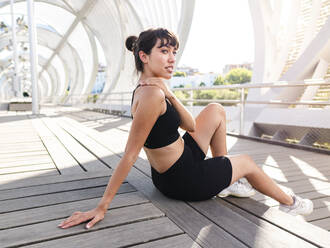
(121, 103)
(191, 103)
(241, 121)
(33, 55)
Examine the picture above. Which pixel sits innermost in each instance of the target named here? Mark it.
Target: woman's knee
(217, 108)
(243, 163)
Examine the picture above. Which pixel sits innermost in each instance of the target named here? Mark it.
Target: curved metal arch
(71, 8)
(95, 59)
(45, 83)
(51, 2)
(8, 82)
(68, 55)
(109, 41)
(187, 10)
(115, 18)
(49, 82)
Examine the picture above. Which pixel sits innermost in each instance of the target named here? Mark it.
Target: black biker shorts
(192, 177)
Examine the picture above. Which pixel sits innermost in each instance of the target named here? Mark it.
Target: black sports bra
(165, 129)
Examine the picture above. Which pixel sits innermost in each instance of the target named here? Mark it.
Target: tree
(219, 80)
(238, 76)
(179, 74)
(202, 84)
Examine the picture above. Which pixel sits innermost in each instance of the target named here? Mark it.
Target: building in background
(194, 80)
(188, 70)
(101, 78)
(228, 67)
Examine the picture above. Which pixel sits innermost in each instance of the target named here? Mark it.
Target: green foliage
(219, 81)
(179, 74)
(92, 98)
(238, 76)
(225, 94)
(235, 76)
(180, 86)
(182, 95)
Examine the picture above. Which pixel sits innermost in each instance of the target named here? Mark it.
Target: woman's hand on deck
(159, 82)
(95, 215)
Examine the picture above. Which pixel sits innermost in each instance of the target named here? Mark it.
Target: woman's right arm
(146, 114)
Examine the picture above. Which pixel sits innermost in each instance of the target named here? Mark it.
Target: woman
(178, 164)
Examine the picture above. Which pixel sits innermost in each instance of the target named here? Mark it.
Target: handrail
(242, 101)
(277, 84)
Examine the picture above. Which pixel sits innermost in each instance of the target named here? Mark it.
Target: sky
(221, 33)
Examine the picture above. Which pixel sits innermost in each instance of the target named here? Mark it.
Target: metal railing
(117, 100)
(242, 101)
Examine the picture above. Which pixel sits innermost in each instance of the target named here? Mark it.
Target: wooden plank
(19, 150)
(18, 139)
(90, 144)
(299, 176)
(287, 162)
(318, 213)
(64, 210)
(291, 167)
(61, 156)
(182, 241)
(310, 185)
(287, 222)
(252, 233)
(322, 202)
(136, 233)
(85, 158)
(28, 143)
(57, 198)
(33, 167)
(323, 223)
(53, 188)
(12, 161)
(23, 155)
(4, 179)
(293, 170)
(318, 194)
(140, 213)
(33, 181)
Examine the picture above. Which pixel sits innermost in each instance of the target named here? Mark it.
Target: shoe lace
(242, 186)
(302, 203)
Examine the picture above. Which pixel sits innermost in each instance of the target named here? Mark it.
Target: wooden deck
(61, 161)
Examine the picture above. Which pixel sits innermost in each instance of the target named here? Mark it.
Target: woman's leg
(211, 130)
(244, 166)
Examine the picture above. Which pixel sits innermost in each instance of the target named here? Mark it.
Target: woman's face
(160, 62)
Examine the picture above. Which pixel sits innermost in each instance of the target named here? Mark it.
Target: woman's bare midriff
(161, 159)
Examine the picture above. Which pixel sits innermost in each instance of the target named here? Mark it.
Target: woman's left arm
(187, 120)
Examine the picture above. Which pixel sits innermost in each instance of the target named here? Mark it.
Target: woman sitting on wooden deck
(178, 164)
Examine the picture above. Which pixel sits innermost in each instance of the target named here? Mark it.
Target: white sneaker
(238, 189)
(299, 206)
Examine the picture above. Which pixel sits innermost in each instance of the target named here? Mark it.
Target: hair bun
(130, 42)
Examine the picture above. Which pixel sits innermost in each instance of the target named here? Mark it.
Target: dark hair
(147, 40)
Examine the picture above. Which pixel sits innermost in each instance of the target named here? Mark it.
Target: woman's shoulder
(148, 97)
(150, 93)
